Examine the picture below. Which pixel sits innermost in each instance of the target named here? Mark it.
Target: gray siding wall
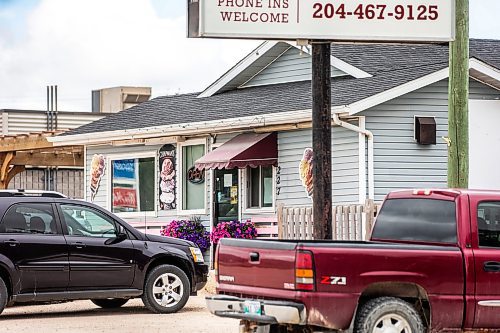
(400, 162)
(345, 166)
(291, 66)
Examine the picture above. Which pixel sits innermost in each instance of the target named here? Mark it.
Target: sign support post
(458, 101)
(322, 140)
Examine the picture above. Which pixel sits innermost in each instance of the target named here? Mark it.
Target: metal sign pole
(322, 140)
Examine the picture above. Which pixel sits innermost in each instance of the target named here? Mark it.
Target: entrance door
(226, 195)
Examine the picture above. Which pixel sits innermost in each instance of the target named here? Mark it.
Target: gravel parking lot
(84, 316)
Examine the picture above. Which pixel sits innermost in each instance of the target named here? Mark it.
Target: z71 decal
(339, 280)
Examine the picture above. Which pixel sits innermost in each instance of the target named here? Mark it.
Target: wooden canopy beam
(59, 159)
(24, 142)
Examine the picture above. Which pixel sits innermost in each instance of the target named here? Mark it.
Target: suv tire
(166, 290)
(109, 303)
(386, 313)
(4, 295)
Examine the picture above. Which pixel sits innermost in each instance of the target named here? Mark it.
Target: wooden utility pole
(458, 97)
(322, 140)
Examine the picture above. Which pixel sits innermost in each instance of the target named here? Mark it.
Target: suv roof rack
(31, 193)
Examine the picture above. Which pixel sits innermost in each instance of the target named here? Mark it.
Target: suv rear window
(424, 220)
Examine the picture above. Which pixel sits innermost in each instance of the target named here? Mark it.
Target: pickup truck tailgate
(262, 263)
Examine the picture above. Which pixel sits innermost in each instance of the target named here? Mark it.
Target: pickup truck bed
(345, 272)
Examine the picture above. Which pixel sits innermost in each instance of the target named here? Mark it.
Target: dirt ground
(85, 317)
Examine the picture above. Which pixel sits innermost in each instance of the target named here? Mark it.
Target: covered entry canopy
(244, 150)
(18, 151)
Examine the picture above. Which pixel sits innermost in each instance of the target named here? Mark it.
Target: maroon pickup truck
(432, 264)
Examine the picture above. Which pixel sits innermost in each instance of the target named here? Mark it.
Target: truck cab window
(420, 220)
(488, 224)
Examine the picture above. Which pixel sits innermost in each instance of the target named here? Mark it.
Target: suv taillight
(304, 271)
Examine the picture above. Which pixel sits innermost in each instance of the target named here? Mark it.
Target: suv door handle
(78, 245)
(11, 242)
(492, 266)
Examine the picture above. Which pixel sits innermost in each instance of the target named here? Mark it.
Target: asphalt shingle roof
(390, 64)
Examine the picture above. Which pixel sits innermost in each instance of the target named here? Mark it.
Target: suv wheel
(109, 303)
(166, 289)
(388, 314)
(4, 295)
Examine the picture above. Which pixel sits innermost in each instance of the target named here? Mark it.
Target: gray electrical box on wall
(425, 130)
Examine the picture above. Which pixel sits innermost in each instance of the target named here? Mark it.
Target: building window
(193, 186)
(133, 185)
(260, 187)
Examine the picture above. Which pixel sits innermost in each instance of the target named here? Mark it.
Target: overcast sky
(82, 45)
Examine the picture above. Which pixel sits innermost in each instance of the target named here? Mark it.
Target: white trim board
(237, 69)
(341, 65)
(253, 56)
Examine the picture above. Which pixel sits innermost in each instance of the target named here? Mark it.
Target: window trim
(109, 183)
(180, 181)
(246, 188)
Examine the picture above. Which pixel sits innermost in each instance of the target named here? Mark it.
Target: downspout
(369, 135)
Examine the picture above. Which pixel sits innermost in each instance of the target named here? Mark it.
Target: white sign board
(353, 20)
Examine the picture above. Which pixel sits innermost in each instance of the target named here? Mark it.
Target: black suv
(57, 249)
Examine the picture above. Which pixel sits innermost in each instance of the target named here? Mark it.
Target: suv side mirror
(119, 238)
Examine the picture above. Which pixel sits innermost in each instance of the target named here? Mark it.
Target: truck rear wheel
(388, 314)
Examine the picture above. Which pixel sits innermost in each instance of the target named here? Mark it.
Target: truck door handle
(11, 242)
(78, 245)
(254, 256)
(492, 266)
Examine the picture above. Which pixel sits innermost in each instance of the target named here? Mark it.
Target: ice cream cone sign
(97, 167)
(306, 171)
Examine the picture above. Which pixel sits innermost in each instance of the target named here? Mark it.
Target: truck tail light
(216, 264)
(304, 271)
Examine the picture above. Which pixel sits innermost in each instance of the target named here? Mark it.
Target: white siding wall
(291, 66)
(400, 162)
(345, 166)
(19, 122)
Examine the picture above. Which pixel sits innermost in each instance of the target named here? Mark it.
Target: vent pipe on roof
(51, 108)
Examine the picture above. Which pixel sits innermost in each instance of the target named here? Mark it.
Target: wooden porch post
(7, 172)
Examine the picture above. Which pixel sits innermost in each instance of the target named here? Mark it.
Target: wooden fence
(350, 222)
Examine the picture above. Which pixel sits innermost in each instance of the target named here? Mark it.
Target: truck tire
(166, 289)
(4, 295)
(109, 303)
(388, 314)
